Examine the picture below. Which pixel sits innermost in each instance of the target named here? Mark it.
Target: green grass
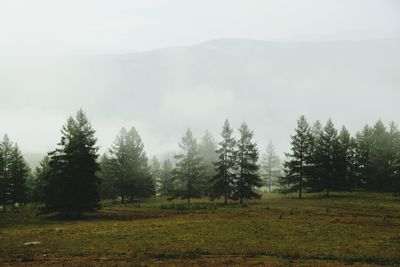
(361, 229)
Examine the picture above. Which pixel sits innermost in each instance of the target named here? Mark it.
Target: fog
(164, 66)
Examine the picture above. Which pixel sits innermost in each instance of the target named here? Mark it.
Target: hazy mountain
(164, 91)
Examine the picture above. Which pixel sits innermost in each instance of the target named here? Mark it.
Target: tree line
(325, 159)
(73, 178)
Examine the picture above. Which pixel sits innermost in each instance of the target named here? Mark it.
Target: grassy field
(361, 229)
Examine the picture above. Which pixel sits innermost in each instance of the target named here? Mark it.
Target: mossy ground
(348, 228)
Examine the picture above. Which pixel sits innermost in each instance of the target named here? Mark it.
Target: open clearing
(348, 228)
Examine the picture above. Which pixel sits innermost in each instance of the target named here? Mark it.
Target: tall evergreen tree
(222, 182)
(207, 152)
(188, 170)
(247, 177)
(329, 148)
(379, 174)
(314, 168)
(156, 173)
(19, 175)
(395, 162)
(167, 187)
(14, 172)
(296, 166)
(127, 168)
(73, 186)
(362, 157)
(344, 160)
(6, 150)
(271, 167)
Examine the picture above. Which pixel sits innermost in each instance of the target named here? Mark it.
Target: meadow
(362, 229)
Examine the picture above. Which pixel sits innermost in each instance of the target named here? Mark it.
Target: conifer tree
(207, 152)
(127, 169)
(395, 162)
(362, 156)
(296, 166)
(247, 177)
(167, 187)
(329, 148)
(271, 167)
(344, 160)
(155, 170)
(19, 171)
(188, 169)
(6, 150)
(222, 182)
(73, 186)
(314, 172)
(380, 157)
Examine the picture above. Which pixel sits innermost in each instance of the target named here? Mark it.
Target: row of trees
(325, 159)
(72, 178)
(229, 169)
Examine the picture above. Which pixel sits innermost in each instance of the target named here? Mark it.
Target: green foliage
(271, 167)
(296, 166)
(39, 180)
(208, 155)
(189, 169)
(73, 186)
(340, 162)
(247, 177)
(126, 172)
(348, 228)
(14, 172)
(167, 187)
(223, 180)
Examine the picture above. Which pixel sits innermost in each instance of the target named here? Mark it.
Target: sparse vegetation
(356, 228)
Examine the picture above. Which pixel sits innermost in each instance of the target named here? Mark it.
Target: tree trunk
(269, 185)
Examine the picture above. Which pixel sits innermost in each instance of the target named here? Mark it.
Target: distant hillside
(267, 84)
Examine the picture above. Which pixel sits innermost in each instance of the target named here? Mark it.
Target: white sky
(98, 26)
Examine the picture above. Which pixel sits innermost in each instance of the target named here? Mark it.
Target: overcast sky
(34, 35)
(99, 26)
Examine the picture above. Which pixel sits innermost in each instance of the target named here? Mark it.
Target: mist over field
(163, 92)
(200, 133)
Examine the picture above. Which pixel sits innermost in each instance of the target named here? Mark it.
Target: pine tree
(222, 182)
(314, 168)
(167, 187)
(247, 178)
(188, 169)
(6, 151)
(207, 152)
(395, 161)
(362, 151)
(271, 167)
(155, 170)
(19, 173)
(329, 148)
(344, 160)
(127, 168)
(379, 175)
(296, 167)
(73, 186)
